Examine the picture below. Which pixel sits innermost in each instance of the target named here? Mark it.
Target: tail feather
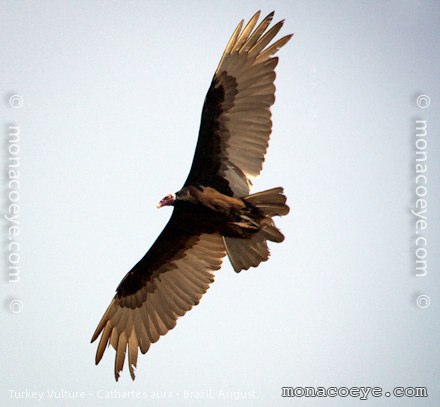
(271, 202)
(251, 251)
(270, 231)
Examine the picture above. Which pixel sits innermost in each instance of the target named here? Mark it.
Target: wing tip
(132, 369)
(256, 15)
(97, 360)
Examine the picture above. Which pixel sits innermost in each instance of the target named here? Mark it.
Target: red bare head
(167, 200)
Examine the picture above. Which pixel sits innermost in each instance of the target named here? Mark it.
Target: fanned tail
(251, 251)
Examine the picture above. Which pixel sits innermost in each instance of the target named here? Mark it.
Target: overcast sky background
(113, 93)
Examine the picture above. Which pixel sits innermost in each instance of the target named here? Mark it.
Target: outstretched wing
(166, 283)
(236, 118)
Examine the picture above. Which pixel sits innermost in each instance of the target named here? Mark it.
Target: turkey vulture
(213, 214)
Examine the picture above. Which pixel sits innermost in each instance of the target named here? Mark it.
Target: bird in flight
(214, 213)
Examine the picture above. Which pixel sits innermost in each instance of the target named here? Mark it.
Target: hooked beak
(167, 201)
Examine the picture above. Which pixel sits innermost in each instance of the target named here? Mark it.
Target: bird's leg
(245, 225)
(250, 220)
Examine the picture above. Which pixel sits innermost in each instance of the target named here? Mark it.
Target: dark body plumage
(214, 215)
